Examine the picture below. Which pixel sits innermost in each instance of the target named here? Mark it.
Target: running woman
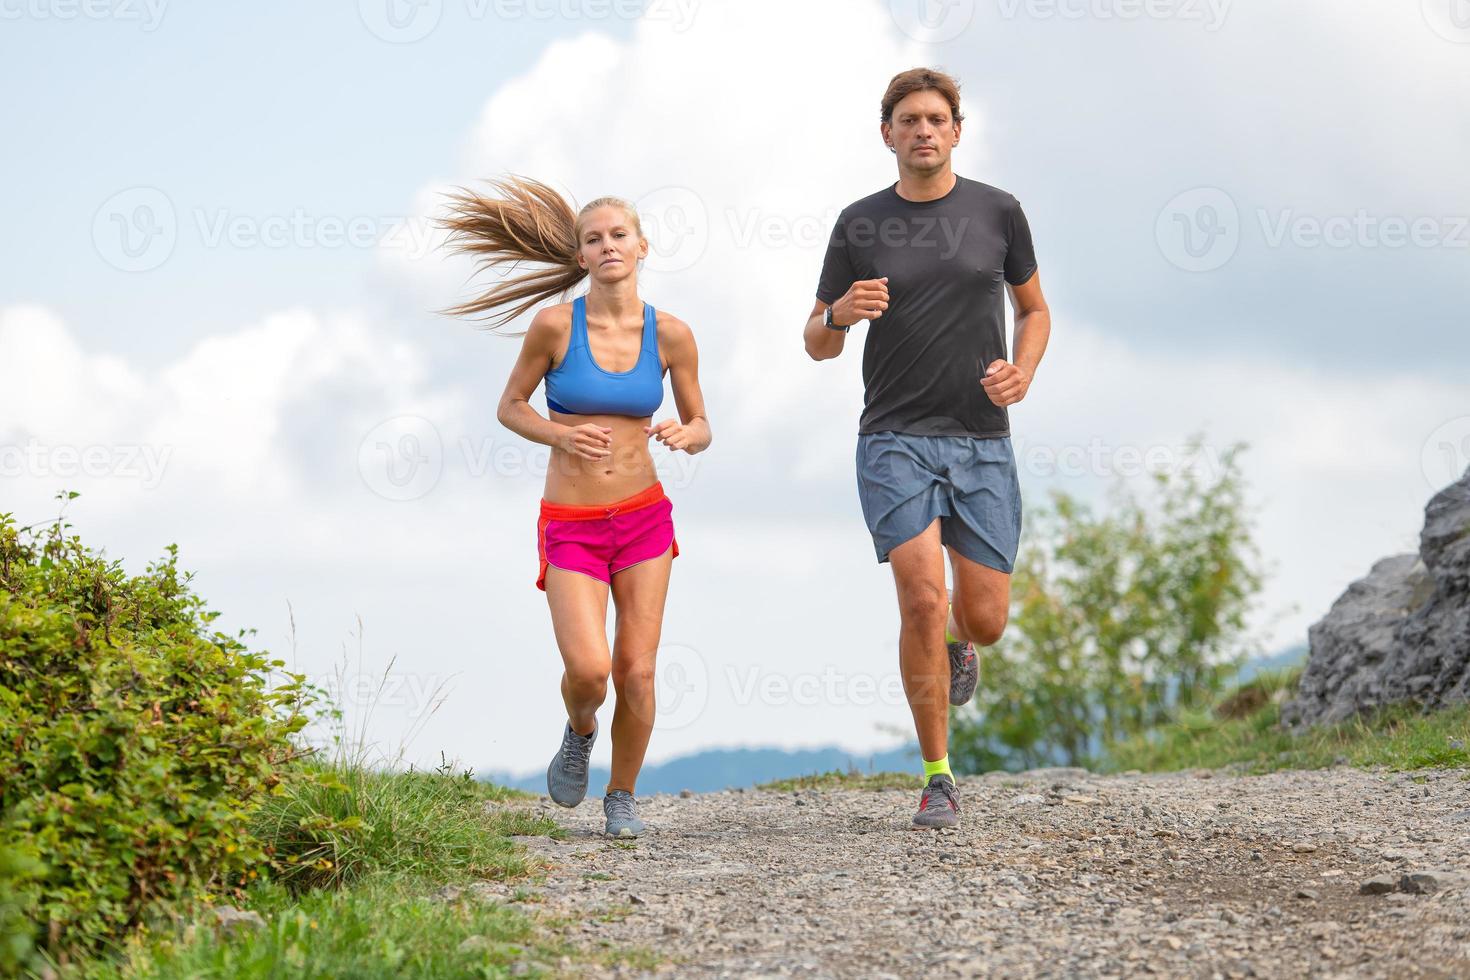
(605, 526)
(925, 261)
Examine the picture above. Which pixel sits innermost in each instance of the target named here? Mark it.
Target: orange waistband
(588, 512)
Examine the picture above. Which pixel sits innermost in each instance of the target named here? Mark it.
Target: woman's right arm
(540, 345)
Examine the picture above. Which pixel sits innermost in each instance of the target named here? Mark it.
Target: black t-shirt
(945, 322)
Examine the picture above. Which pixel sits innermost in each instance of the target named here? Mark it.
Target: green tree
(1119, 620)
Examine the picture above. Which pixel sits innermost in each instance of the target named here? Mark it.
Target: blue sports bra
(580, 386)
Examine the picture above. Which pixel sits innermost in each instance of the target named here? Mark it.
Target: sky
(217, 319)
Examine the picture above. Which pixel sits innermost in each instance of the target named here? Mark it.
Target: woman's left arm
(690, 431)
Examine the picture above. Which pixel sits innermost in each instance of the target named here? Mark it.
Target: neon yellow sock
(932, 768)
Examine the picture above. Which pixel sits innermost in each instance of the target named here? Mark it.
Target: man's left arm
(1006, 382)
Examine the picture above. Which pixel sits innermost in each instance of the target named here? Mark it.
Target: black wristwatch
(827, 321)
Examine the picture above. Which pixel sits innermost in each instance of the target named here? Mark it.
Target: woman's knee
(633, 676)
(587, 680)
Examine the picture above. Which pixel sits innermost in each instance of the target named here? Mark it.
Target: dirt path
(1054, 873)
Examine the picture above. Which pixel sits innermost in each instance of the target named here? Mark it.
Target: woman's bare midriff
(573, 479)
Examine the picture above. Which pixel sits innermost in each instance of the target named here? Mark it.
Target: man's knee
(923, 603)
(982, 626)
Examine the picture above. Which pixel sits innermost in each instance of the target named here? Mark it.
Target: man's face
(923, 132)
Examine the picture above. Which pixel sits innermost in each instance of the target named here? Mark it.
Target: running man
(605, 527)
(925, 261)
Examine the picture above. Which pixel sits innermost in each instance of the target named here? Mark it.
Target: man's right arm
(864, 300)
(822, 342)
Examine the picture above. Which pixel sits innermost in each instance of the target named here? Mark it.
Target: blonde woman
(605, 526)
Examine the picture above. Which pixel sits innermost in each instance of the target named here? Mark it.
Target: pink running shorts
(601, 540)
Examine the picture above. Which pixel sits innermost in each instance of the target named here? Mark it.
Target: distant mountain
(1290, 657)
(717, 769)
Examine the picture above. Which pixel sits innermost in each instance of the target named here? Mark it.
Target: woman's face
(611, 244)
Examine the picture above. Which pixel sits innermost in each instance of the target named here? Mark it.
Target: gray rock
(1378, 885)
(1402, 632)
(231, 920)
(1429, 882)
(1027, 799)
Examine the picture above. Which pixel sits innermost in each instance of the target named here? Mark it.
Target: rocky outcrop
(1401, 633)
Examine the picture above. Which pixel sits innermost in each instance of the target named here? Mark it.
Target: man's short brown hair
(906, 83)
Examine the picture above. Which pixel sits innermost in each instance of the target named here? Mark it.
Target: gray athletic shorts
(905, 482)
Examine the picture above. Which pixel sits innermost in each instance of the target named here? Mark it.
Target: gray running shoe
(566, 777)
(940, 804)
(622, 814)
(964, 672)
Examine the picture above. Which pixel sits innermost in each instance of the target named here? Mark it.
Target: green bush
(1120, 622)
(18, 874)
(138, 740)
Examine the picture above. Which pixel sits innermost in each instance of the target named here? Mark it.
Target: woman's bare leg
(638, 593)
